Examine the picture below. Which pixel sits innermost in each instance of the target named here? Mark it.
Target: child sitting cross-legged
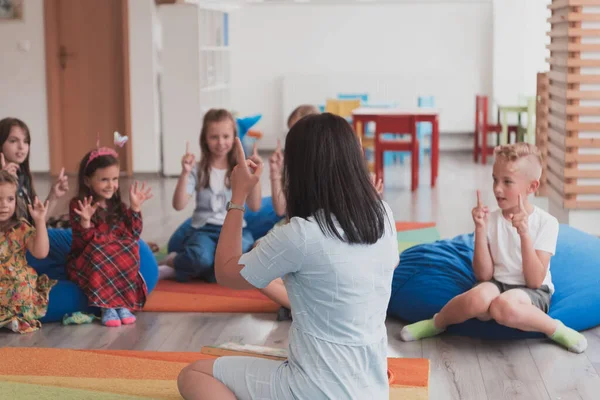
(513, 247)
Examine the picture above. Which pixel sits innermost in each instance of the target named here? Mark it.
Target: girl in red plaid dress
(104, 259)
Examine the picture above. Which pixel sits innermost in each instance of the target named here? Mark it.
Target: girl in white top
(336, 255)
(209, 180)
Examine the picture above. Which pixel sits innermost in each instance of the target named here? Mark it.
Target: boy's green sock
(420, 330)
(570, 338)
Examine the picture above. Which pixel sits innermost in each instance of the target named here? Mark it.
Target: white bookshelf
(195, 63)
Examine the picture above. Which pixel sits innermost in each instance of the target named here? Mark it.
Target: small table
(503, 112)
(363, 115)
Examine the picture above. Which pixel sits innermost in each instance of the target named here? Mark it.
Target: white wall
(415, 40)
(23, 82)
(23, 78)
(145, 116)
(445, 42)
(519, 47)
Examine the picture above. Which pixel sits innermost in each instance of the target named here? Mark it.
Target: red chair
(483, 128)
(403, 125)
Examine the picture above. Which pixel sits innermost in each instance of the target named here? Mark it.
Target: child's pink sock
(127, 318)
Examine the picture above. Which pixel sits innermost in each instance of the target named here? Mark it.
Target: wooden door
(88, 83)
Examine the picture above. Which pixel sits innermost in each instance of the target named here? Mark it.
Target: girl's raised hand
(276, 162)
(61, 186)
(86, 209)
(138, 195)
(10, 167)
(378, 185)
(188, 160)
(245, 174)
(38, 210)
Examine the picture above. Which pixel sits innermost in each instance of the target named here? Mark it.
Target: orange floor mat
(171, 296)
(110, 374)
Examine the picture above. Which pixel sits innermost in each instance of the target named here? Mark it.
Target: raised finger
(251, 164)
(239, 153)
(187, 147)
(479, 198)
(61, 175)
(521, 205)
(259, 169)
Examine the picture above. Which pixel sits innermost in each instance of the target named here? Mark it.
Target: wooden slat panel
(574, 17)
(558, 92)
(583, 94)
(590, 143)
(573, 32)
(556, 151)
(557, 4)
(557, 76)
(557, 122)
(562, 77)
(557, 166)
(556, 182)
(582, 204)
(565, 61)
(557, 138)
(554, 194)
(576, 173)
(582, 189)
(582, 110)
(557, 108)
(583, 126)
(582, 158)
(573, 47)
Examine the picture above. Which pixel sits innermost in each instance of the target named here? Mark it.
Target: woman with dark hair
(336, 256)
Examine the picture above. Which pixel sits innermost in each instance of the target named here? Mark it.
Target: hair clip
(120, 140)
(106, 151)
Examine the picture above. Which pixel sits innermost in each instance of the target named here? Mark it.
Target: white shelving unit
(195, 73)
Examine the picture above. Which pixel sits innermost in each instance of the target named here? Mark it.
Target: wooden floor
(462, 368)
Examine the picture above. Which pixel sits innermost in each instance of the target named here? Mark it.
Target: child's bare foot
(169, 260)
(165, 272)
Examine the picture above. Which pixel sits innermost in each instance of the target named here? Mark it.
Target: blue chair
(243, 126)
(364, 97)
(423, 129)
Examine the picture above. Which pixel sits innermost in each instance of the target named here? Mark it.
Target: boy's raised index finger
(521, 205)
(479, 198)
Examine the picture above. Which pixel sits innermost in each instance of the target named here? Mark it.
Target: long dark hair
(114, 210)
(211, 116)
(6, 126)
(325, 176)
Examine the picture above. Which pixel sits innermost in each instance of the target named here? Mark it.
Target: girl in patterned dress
(23, 293)
(104, 259)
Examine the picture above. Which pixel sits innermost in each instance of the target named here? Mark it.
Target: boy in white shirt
(511, 261)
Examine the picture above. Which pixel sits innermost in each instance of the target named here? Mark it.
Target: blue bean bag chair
(65, 296)
(431, 274)
(258, 222)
